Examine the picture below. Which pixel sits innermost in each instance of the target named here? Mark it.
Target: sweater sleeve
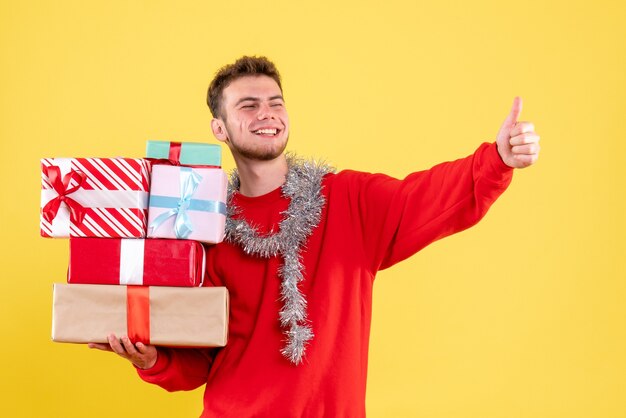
(179, 368)
(400, 217)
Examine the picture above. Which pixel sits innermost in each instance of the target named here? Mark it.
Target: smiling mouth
(266, 132)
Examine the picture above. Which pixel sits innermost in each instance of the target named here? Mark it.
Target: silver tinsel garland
(303, 186)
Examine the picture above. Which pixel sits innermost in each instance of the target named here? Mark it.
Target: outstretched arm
(397, 218)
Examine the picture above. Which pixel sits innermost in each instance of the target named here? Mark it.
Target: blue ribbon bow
(189, 181)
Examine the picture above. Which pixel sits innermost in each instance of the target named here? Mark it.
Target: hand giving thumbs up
(518, 144)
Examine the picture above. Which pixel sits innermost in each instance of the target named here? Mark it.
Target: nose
(265, 112)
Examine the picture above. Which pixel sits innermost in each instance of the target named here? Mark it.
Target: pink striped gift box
(94, 197)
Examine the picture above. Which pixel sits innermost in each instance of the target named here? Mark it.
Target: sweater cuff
(163, 360)
(497, 169)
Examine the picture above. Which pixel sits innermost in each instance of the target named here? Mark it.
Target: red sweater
(370, 222)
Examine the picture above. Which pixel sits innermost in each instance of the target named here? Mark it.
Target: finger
(148, 355)
(129, 346)
(116, 346)
(103, 347)
(527, 149)
(526, 160)
(522, 127)
(526, 138)
(516, 109)
(142, 348)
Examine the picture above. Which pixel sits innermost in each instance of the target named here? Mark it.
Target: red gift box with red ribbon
(150, 262)
(94, 197)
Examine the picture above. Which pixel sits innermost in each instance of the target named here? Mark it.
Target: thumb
(513, 116)
(504, 134)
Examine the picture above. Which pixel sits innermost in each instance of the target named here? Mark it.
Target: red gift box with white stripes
(148, 262)
(94, 197)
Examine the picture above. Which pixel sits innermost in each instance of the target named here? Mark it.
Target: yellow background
(522, 316)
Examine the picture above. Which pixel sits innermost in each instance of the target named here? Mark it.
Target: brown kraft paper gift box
(178, 316)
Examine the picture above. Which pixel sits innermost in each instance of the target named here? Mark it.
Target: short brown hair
(244, 66)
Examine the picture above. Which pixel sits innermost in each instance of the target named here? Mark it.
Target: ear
(219, 129)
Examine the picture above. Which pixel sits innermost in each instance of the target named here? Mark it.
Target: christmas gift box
(94, 197)
(123, 261)
(187, 203)
(184, 153)
(157, 315)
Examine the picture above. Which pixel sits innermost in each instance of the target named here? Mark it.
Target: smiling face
(253, 120)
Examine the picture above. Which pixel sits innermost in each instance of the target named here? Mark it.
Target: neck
(257, 178)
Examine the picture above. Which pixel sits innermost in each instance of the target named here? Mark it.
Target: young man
(302, 248)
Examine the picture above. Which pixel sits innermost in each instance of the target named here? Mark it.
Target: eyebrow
(256, 99)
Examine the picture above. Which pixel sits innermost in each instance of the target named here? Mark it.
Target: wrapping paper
(94, 197)
(185, 153)
(187, 203)
(168, 316)
(123, 261)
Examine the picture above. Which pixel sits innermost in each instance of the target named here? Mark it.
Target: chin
(266, 154)
(261, 153)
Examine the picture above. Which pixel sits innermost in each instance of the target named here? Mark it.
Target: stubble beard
(259, 154)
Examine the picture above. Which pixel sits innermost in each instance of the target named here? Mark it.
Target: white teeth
(266, 131)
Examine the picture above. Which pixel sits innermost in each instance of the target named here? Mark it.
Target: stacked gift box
(136, 230)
